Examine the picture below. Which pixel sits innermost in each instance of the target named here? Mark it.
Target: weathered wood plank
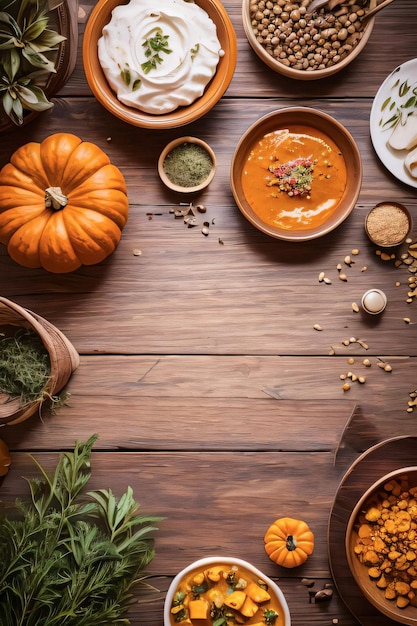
(226, 403)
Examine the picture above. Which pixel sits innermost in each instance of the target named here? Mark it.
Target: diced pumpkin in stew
(198, 609)
(249, 607)
(235, 600)
(256, 593)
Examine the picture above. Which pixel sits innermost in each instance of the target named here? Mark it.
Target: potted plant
(38, 44)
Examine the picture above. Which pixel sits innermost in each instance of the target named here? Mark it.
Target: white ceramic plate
(393, 88)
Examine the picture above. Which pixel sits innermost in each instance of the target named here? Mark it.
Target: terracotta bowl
(405, 478)
(100, 16)
(245, 569)
(294, 117)
(174, 144)
(291, 71)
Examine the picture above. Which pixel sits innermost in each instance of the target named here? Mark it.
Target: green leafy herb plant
(70, 559)
(28, 51)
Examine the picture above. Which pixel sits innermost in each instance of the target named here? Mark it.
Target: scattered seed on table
(355, 251)
(348, 261)
(346, 387)
(321, 277)
(343, 277)
(355, 307)
(327, 281)
(317, 327)
(366, 363)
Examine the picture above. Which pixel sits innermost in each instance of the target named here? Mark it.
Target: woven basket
(64, 359)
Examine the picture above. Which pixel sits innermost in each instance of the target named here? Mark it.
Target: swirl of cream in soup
(181, 75)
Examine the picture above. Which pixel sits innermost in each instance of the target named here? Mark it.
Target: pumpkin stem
(55, 199)
(291, 543)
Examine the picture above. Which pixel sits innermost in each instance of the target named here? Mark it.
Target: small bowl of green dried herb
(187, 165)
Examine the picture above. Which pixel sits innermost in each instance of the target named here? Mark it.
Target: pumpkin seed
(362, 344)
(321, 277)
(355, 307)
(327, 281)
(317, 327)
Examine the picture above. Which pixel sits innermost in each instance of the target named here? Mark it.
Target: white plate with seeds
(396, 96)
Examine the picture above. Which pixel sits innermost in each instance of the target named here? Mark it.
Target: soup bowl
(382, 523)
(212, 580)
(267, 199)
(100, 16)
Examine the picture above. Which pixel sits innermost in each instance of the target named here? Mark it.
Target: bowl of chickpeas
(303, 44)
(381, 545)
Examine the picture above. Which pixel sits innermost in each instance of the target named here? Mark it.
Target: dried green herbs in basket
(24, 366)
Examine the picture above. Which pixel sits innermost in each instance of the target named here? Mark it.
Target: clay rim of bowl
(403, 209)
(100, 16)
(279, 67)
(296, 116)
(173, 144)
(359, 571)
(212, 560)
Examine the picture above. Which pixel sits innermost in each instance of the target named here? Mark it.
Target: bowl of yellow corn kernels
(381, 545)
(231, 589)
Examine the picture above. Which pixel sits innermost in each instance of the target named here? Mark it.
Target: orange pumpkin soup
(294, 178)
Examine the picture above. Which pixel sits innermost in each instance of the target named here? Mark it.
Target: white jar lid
(374, 301)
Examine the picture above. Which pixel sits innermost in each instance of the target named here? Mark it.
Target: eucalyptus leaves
(68, 559)
(28, 51)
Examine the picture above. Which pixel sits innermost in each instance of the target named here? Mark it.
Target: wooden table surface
(212, 394)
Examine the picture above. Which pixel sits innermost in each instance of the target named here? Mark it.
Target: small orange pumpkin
(62, 204)
(289, 542)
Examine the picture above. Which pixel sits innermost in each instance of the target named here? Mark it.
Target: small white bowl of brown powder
(388, 224)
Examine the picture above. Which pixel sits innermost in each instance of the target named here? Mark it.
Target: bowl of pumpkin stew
(381, 545)
(296, 174)
(224, 590)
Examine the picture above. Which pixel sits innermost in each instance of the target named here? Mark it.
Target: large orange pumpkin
(62, 204)
(289, 542)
